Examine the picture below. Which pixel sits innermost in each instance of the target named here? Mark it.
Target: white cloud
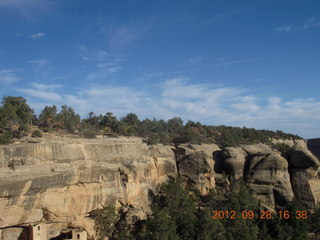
(38, 62)
(106, 64)
(240, 61)
(42, 91)
(195, 60)
(7, 76)
(114, 69)
(120, 35)
(197, 102)
(40, 94)
(312, 22)
(29, 8)
(110, 62)
(284, 28)
(41, 86)
(37, 35)
(104, 70)
(96, 55)
(12, 3)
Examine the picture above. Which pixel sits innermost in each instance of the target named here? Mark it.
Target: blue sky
(239, 63)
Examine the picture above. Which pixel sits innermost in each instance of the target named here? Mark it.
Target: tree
(174, 124)
(131, 119)
(15, 115)
(161, 226)
(174, 213)
(315, 221)
(241, 200)
(300, 226)
(48, 117)
(110, 121)
(131, 124)
(68, 118)
(208, 228)
(105, 221)
(92, 120)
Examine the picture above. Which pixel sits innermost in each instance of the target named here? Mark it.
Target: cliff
(59, 181)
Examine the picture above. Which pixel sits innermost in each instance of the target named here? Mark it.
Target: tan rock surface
(196, 163)
(264, 170)
(60, 180)
(63, 180)
(305, 179)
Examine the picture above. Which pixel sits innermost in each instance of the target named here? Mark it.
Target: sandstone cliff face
(59, 181)
(197, 164)
(264, 170)
(305, 178)
(275, 180)
(63, 180)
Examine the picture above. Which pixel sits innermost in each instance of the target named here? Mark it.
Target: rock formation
(62, 180)
(265, 172)
(58, 181)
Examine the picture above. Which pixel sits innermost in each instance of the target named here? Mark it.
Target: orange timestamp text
(264, 215)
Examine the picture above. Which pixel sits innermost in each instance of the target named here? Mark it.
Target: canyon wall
(59, 181)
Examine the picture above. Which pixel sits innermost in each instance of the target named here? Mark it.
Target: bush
(5, 138)
(283, 148)
(89, 134)
(36, 134)
(105, 221)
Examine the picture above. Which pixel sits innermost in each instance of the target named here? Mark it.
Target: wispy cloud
(13, 3)
(197, 102)
(195, 60)
(38, 62)
(37, 35)
(116, 61)
(41, 86)
(40, 94)
(42, 91)
(223, 62)
(101, 73)
(17, 34)
(284, 28)
(105, 63)
(312, 22)
(113, 69)
(93, 55)
(120, 35)
(28, 8)
(8, 76)
(212, 19)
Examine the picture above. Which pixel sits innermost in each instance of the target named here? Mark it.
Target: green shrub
(283, 148)
(36, 134)
(105, 221)
(89, 133)
(5, 138)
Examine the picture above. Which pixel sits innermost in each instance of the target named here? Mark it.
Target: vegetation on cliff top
(16, 118)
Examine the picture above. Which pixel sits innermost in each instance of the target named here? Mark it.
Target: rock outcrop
(305, 178)
(276, 180)
(197, 164)
(60, 181)
(265, 172)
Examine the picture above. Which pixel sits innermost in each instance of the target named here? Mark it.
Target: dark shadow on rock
(218, 161)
